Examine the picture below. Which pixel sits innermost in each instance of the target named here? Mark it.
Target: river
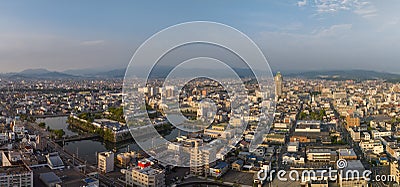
(87, 149)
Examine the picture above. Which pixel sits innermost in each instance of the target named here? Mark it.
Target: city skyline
(293, 35)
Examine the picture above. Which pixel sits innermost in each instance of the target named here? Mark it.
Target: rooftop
(14, 169)
(346, 152)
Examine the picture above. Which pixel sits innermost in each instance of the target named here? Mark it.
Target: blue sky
(294, 35)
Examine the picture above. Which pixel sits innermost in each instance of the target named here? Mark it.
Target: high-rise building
(200, 158)
(278, 84)
(106, 161)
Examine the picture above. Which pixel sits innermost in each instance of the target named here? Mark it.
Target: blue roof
(240, 162)
(221, 165)
(89, 180)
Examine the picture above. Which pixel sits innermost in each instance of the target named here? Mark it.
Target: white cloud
(360, 7)
(93, 42)
(302, 3)
(366, 11)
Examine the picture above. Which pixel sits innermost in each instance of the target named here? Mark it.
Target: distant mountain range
(347, 75)
(162, 71)
(39, 74)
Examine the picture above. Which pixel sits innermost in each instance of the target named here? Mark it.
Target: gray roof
(50, 178)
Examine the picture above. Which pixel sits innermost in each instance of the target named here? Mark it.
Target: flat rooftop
(14, 169)
(347, 152)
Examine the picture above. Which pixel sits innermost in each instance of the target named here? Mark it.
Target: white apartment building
(20, 175)
(321, 155)
(200, 158)
(374, 145)
(376, 134)
(106, 161)
(146, 177)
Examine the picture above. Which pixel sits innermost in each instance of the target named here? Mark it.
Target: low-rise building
(347, 154)
(293, 147)
(377, 134)
(374, 145)
(321, 155)
(218, 170)
(147, 177)
(352, 175)
(237, 165)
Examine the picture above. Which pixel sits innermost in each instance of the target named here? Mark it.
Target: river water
(88, 149)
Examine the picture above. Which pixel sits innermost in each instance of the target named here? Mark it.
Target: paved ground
(238, 177)
(69, 177)
(177, 172)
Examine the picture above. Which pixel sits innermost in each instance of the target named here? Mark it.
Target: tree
(42, 125)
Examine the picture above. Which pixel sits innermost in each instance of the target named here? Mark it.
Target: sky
(294, 35)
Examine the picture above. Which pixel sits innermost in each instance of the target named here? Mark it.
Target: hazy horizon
(295, 36)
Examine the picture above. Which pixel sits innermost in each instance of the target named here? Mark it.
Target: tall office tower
(278, 84)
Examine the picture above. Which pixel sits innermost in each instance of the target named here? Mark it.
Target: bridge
(78, 137)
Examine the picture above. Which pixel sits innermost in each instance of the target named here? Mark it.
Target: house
(220, 169)
(237, 165)
(293, 147)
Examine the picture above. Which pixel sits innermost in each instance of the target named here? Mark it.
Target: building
(355, 134)
(17, 175)
(374, 145)
(352, 175)
(91, 182)
(377, 134)
(293, 147)
(50, 179)
(347, 154)
(18, 128)
(54, 161)
(394, 171)
(393, 151)
(320, 179)
(105, 161)
(218, 170)
(147, 177)
(123, 159)
(321, 155)
(278, 84)
(366, 136)
(308, 126)
(237, 165)
(200, 158)
(275, 138)
(352, 121)
(144, 163)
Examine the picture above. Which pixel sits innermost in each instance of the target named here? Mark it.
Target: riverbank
(104, 133)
